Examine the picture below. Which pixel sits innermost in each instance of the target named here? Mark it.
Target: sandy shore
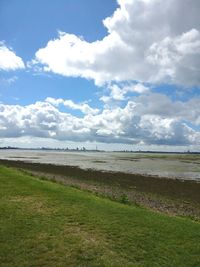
(172, 196)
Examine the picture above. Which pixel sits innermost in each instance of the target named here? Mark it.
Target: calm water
(163, 165)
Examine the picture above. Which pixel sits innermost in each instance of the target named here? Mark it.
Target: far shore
(171, 196)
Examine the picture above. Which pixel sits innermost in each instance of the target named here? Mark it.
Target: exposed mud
(172, 196)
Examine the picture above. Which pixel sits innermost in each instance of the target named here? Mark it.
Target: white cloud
(118, 92)
(139, 88)
(161, 105)
(147, 41)
(147, 119)
(9, 60)
(83, 107)
(178, 58)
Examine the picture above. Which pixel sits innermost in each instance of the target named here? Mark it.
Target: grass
(47, 224)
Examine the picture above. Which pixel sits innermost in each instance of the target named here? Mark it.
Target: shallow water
(182, 166)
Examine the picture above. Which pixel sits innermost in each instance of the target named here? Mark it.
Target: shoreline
(171, 196)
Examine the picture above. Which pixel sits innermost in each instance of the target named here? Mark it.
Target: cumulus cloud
(178, 58)
(9, 60)
(83, 107)
(147, 41)
(118, 92)
(147, 119)
(161, 105)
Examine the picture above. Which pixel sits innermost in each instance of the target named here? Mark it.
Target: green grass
(47, 224)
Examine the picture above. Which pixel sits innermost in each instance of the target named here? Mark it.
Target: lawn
(47, 224)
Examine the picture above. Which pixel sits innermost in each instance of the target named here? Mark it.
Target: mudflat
(172, 196)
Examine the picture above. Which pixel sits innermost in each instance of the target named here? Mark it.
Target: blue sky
(29, 25)
(119, 74)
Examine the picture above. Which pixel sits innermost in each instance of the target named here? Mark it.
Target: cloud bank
(146, 42)
(143, 120)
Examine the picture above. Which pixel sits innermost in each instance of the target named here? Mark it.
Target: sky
(120, 75)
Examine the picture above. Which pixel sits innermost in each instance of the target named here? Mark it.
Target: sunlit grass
(47, 224)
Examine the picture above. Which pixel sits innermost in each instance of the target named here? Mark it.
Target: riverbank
(171, 196)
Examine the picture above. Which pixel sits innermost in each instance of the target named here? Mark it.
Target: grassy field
(47, 224)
